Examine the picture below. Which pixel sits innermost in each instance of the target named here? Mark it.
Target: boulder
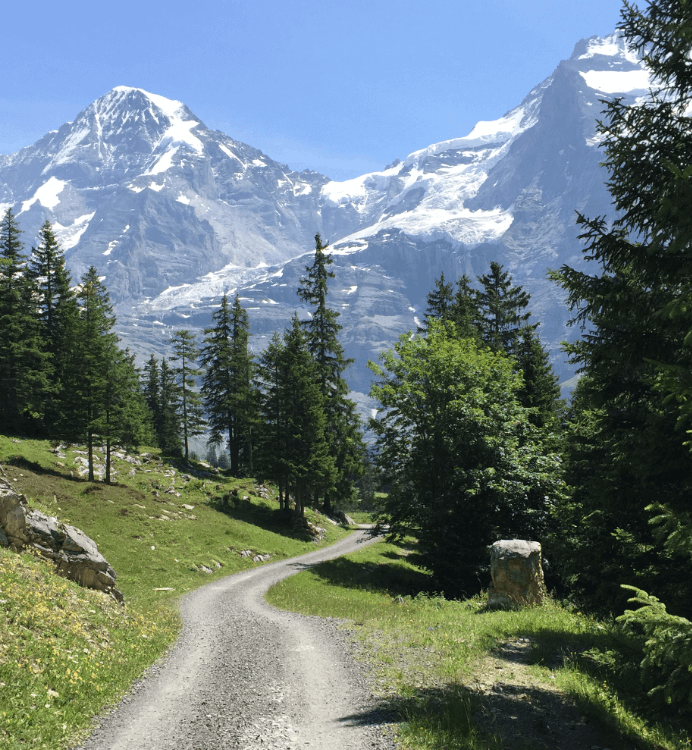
(343, 518)
(517, 574)
(76, 555)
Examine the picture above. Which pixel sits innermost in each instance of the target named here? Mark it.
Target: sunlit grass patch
(426, 652)
(66, 652)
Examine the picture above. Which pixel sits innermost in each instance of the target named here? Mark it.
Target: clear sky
(342, 87)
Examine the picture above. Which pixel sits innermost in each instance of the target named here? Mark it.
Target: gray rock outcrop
(76, 555)
(517, 574)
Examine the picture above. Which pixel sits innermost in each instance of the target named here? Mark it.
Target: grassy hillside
(65, 652)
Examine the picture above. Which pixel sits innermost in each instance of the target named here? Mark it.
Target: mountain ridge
(174, 214)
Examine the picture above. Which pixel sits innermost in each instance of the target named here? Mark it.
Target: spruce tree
(24, 363)
(168, 428)
(186, 374)
(308, 467)
(272, 434)
(92, 359)
(151, 389)
(123, 419)
(343, 427)
(500, 310)
(464, 309)
(57, 313)
(629, 445)
(227, 388)
(440, 302)
(540, 391)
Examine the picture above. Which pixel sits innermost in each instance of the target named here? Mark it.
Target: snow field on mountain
(69, 236)
(617, 81)
(46, 195)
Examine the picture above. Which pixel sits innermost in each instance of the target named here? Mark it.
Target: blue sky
(340, 87)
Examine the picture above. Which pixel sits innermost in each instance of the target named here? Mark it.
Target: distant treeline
(63, 376)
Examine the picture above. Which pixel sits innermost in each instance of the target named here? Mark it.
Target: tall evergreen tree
(24, 363)
(229, 395)
(540, 391)
(58, 314)
(151, 389)
(123, 418)
(440, 303)
(308, 466)
(93, 356)
(630, 444)
(464, 309)
(343, 429)
(168, 430)
(273, 433)
(186, 374)
(500, 310)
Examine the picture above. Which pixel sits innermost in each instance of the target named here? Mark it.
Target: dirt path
(246, 675)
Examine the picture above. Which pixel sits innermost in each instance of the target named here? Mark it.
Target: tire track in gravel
(245, 675)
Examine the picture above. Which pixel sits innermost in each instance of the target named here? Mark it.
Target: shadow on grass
(507, 716)
(392, 578)
(269, 519)
(24, 463)
(609, 658)
(433, 717)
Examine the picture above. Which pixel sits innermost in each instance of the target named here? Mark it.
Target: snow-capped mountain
(140, 188)
(174, 214)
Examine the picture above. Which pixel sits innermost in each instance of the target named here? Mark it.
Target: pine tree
(24, 363)
(191, 415)
(464, 310)
(540, 391)
(629, 442)
(168, 430)
(93, 356)
(440, 303)
(308, 467)
(229, 395)
(499, 305)
(123, 419)
(272, 433)
(58, 314)
(343, 427)
(151, 389)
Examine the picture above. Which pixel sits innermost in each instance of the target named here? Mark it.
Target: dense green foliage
(464, 464)
(229, 396)
(24, 363)
(342, 427)
(628, 446)
(294, 448)
(185, 378)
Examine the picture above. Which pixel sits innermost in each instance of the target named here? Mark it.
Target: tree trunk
(107, 478)
(90, 449)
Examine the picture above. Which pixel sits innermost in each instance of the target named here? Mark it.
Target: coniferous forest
(472, 441)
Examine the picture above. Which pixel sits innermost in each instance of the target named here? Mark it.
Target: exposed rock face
(174, 214)
(515, 567)
(344, 518)
(75, 554)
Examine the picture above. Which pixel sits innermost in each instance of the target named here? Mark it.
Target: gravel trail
(245, 675)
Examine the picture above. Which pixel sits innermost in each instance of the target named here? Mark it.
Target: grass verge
(449, 670)
(67, 652)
